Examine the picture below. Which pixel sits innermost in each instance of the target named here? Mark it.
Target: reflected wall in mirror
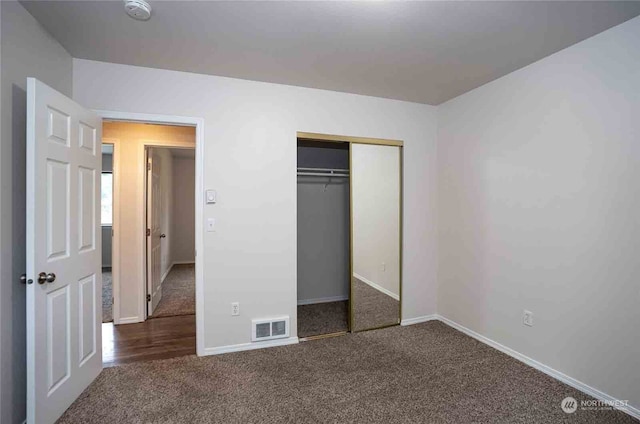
(375, 191)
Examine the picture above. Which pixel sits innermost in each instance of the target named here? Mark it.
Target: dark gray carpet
(178, 292)
(372, 308)
(107, 296)
(322, 318)
(425, 373)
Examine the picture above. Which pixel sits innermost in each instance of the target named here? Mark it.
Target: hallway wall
(183, 247)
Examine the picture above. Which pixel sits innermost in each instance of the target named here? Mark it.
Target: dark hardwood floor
(158, 338)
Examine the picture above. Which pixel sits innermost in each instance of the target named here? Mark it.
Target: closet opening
(323, 220)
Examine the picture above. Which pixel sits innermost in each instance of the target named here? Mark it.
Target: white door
(154, 231)
(64, 315)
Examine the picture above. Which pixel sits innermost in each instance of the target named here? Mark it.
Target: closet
(349, 234)
(323, 238)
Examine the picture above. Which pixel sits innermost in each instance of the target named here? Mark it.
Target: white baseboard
(570, 381)
(249, 346)
(376, 286)
(129, 320)
(322, 300)
(418, 320)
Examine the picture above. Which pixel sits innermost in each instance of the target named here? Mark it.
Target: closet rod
(323, 170)
(318, 174)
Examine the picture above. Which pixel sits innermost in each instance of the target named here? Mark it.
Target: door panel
(58, 324)
(87, 202)
(57, 209)
(63, 242)
(87, 326)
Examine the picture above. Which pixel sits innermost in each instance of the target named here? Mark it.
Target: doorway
(153, 270)
(170, 237)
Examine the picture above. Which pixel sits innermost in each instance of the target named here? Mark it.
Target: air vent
(269, 329)
(263, 330)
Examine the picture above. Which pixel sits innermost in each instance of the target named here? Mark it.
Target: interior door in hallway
(154, 231)
(63, 250)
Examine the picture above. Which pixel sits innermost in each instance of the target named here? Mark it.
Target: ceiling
(426, 52)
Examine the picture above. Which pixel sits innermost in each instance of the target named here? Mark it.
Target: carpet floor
(424, 373)
(178, 292)
(322, 318)
(372, 308)
(107, 296)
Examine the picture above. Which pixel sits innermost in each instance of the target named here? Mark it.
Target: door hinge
(148, 298)
(113, 300)
(148, 166)
(148, 232)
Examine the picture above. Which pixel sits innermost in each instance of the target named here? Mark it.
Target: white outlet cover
(527, 318)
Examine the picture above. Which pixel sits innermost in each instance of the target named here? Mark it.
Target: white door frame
(198, 123)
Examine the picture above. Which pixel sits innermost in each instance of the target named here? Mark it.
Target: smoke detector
(139, 10)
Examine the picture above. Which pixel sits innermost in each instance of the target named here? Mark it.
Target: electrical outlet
(235, 308)
(527, 318)
(383, 267)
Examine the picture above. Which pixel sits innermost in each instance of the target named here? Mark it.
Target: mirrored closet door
(376, 235)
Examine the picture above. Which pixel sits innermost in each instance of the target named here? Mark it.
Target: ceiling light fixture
(139, 10)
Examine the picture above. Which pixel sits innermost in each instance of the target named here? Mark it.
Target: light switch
(210, 196)
(211, 224)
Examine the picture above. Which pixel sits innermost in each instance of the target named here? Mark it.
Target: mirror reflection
(375, 282)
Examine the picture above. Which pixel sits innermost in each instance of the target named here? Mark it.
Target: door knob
(46, 278)
(163, 235)
(24, 280)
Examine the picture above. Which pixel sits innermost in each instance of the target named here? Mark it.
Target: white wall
(27, 51)
(250, 159)
(539, 197)
(183, 245)
(130, 170)
(375, 181)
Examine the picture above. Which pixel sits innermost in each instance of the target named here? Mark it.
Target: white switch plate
(211, 225)
(210, 196)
